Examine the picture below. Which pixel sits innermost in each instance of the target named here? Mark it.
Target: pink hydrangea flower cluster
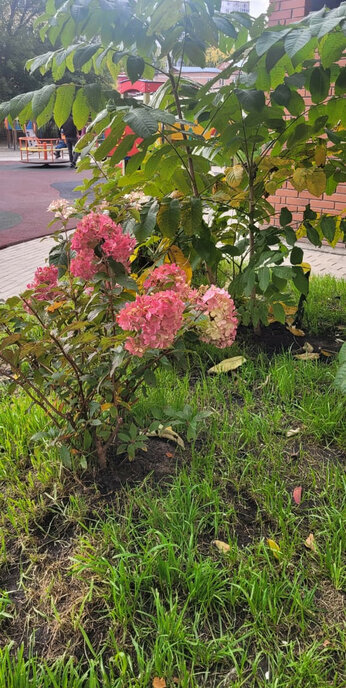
(220, 325)
(168, 276)
(46, 279)
(61, 208)
(154, 318)
(99, 229)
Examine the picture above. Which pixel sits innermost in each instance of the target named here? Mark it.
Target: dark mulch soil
(276, 338)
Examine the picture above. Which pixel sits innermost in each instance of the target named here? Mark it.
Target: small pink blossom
(61, 208)
(99, 229)
(168, 276)
(219, 326)
(45, 279)
(154, 318)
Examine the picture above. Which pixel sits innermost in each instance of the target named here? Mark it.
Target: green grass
(325, 308)
(110, 591)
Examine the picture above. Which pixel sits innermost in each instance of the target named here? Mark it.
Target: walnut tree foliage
(212, 154)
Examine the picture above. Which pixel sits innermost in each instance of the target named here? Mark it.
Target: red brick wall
(287, 12)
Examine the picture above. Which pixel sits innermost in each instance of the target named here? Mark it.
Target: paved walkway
(18, 263)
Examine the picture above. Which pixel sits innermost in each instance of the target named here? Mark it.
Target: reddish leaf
(159, 682)
(297, 495)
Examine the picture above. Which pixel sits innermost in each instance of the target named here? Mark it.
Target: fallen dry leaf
(326, 643)
(159, 682)
(327, 353)
(310, 542)
(221, 546)
(292, 431)
(308, 347)
(295, 331)
(168, 434)
(297, 494)
(274, 548)
(169, 455)
(227, 364)
(307, 356)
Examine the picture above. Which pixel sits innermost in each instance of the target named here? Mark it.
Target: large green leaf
(296, 40)
(80, 109)
(251, 100)
(147, 223)
(340, 84)
(41, 99)
(328, 226)
(135, 67)
(63, 103)
(18, 103)
(267, 39)
(112, 140)
(332, 48)
(142, 122)
(168, 217)
(224, 25)
(84, 53)
(319, 84)
(194, 50)
(191, 215)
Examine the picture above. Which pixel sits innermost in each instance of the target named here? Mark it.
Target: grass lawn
(118, 589)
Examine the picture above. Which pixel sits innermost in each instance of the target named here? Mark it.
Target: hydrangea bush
(86, 335)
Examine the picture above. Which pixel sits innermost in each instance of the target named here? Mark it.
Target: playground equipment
(36, 151)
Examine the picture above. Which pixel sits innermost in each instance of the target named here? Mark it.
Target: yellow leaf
(159, 682)
(234, 175)
(301, 232)
(274, 548)
(270, 187)
(144, 275)
(54, 306)
(310, 542)
(168, 434)
(308, 347)
(320, 154)
(307, 356)
(316, 181)
(306, 267)
(221, 546)
(338, 232)
(292, 431)
(106, 406)
(227, 364)
(327, 353)
(175, 255)
(295, 331)
(299, 178)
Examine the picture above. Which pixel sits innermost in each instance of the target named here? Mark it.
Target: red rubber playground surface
(25, 194)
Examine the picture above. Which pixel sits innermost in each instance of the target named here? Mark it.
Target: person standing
(70, 132)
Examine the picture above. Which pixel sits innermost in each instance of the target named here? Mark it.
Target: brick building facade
(287, 12)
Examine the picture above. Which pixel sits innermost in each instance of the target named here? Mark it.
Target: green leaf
(168, 217)
(273, 56)
(134, 67)
(224, 25)
(279, 313)
(263, 278)
(146, 226)
(296, 104)
(301, 132)
(194, 50)
(340, 84)
(251, 99)
(84, 53)
(319, 84)
(191, 216)
(313, 235)
(63, 103)
(296, 256)
(285, 217)
(300, 280)
(80, 109)
(296, 40)
(41, 99)
(328, 226)
(142, 122)
(18, 104)
(281, 95)
(267, 39)
(112, 140)
(332, 48)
